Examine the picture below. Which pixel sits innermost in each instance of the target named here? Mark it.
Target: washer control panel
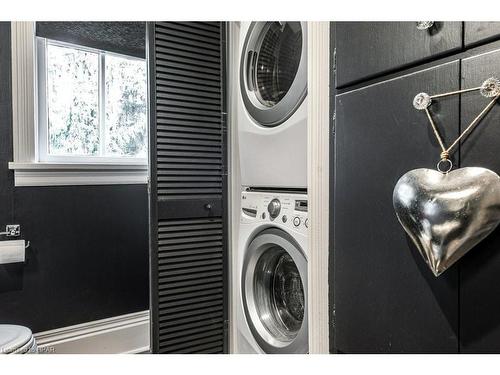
(285, 209)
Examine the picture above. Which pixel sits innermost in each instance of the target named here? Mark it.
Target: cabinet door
(477, 32)
(366, 49)
(480, 268)
(386, 300)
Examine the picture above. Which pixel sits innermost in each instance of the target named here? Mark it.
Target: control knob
(274, 208)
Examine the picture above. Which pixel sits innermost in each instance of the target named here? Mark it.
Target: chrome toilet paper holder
(13, 230)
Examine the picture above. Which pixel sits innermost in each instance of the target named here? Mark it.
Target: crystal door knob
(490, 88)
(274, 208)
(424, 25)
(422, 101)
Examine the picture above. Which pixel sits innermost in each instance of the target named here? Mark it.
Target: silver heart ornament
(447, 214)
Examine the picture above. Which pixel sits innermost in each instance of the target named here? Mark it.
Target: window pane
(73, 101)
(126, 121)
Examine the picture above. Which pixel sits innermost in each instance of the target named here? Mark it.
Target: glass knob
(424, 25)
(490, 88)
(422, 101)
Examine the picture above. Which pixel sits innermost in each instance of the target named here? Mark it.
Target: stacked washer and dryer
(271, 257)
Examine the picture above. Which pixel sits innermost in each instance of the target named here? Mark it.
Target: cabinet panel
(366, 49)
(480, 268)
(476, 32)
(386, 300)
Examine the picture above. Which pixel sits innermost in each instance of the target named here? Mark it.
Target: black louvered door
(188, 180)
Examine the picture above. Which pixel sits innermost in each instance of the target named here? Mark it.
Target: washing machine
(271, 291)
(272, 105)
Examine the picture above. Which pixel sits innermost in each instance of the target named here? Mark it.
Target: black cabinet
(480, 268)
(385, 298)
(367, 49)
(476, 32)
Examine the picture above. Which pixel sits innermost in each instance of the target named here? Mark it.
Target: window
(79, 115)
(92, 105)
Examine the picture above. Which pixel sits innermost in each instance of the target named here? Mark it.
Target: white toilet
(16, 340)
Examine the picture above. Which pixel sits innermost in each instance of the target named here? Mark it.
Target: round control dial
(274, 208)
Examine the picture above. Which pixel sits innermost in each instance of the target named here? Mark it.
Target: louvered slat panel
(194, 346)
(193, 33)
(188, 187)
(186, 109)
(193, 28)
(171, 300)
(210, 77)
(186, 91)
(188, 301)
(190, 276)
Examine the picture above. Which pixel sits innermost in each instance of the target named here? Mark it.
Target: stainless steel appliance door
(274, 291)
(273, 70)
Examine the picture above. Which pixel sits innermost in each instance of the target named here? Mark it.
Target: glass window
(125, 107)
(72, 101)
(94, 105)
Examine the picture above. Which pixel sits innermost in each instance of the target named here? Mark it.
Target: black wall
(88, 257)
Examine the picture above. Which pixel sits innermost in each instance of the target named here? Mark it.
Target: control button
(274, 208)
(296, 221)
(306, 223)
(284, 218)
(263, 215)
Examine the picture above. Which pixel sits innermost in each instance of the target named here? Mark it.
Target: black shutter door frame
(188, 187)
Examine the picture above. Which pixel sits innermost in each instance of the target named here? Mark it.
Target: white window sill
(59, 174)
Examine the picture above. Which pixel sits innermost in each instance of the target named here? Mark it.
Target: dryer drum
(274, 290)
(273, 70)
(278, 61)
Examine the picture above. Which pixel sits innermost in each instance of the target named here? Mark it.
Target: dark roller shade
(128, 38)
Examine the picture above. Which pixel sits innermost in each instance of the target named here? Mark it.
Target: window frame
(43, 121)
(28, 169)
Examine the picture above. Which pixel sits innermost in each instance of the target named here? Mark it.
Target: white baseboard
(124, 334)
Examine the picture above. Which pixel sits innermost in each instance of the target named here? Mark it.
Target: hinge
(333, 317)
(334, 61)
(225, 147)
(226, 325)
(224, 120)
(334, 120)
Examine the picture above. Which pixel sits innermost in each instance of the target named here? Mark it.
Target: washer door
(274, 290)
(273, 70)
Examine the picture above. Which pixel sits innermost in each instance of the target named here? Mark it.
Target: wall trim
(234, 173)
(125, 334)
(318, 141)
(57, 174)
(23, 90)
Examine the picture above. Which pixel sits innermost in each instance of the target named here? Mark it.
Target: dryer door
(273, 70)
(274, 290)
